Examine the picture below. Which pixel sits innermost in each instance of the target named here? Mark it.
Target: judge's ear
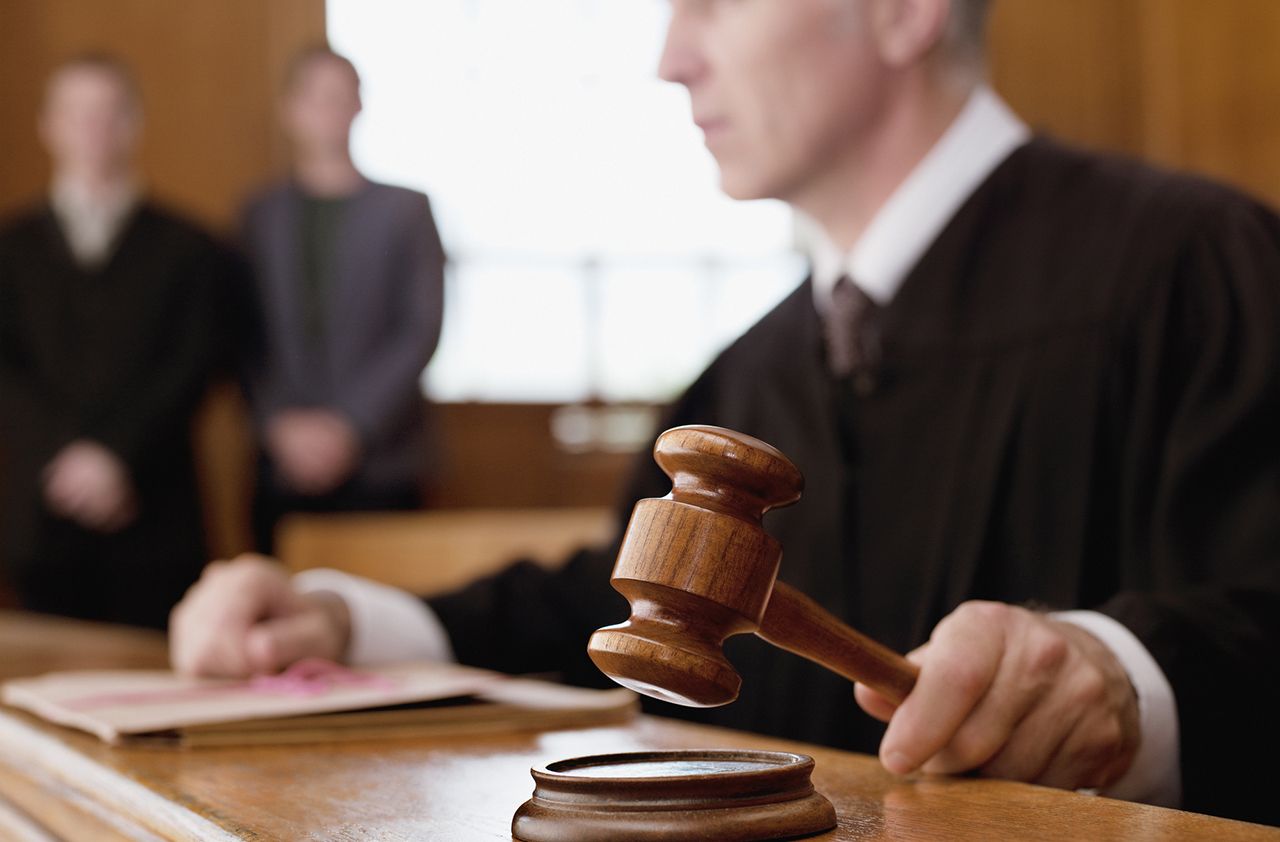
(905, 31)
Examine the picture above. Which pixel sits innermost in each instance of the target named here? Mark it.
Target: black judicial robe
(1078, 406)
(119, 355)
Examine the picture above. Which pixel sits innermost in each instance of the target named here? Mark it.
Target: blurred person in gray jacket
(349, 277)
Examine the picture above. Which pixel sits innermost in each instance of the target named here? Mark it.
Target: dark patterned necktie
(851, 328)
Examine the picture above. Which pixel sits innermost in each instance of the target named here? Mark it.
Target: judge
(106, 341)
(1020, 377)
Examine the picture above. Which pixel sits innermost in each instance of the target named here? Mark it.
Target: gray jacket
(383, 317)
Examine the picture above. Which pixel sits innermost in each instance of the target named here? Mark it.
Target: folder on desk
(313, 701)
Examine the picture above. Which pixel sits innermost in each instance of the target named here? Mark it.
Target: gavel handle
(794, 622)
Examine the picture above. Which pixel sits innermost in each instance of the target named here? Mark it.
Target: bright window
(592, 254)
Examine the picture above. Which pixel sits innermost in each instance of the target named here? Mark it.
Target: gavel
(697, 567)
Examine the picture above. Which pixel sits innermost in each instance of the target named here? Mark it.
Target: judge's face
(91, 121)
(321, 104)
(782, 89)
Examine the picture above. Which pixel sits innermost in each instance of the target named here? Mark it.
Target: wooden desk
(453, 788)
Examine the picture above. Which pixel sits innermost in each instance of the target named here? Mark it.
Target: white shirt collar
(980, 138)
(91, 222)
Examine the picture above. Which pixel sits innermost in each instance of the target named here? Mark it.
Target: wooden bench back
(438, 551)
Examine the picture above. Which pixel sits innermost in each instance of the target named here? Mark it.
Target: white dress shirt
(978, 140)
(389, 625)
(91, 222)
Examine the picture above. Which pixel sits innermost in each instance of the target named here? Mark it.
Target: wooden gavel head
(696, 566)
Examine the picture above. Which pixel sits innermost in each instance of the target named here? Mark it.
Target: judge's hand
(244, 618)
(315, 449)
(1012, 694)
(90, 485)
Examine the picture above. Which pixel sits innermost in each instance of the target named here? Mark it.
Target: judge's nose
(682, 61)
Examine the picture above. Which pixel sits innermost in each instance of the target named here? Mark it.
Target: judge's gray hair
(966, 29)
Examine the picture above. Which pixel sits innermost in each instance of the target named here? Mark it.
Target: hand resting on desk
(244, 617)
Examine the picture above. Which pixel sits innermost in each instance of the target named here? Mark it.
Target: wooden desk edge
(60, 762)
(27, 745)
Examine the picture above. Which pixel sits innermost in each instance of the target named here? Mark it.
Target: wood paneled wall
(208, 72)
(1189, 84)
(506, 455)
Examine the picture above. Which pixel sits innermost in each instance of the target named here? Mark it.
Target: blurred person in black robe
(1066, 396)
(107, 336)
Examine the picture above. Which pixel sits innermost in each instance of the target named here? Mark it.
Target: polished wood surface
(437, 551)
(697, 567)
(464, 788)
(510, 455)
(31, 644)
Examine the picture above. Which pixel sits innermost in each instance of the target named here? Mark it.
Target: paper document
(312, 700)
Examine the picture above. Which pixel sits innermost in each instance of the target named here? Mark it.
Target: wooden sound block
(727, 796)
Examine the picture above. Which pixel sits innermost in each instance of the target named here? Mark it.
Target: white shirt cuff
(1155, 776)
(388, 625)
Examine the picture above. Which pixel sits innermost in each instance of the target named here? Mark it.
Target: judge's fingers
(208, 628)
(1037, 739)
(199, 648)
(873, 703)
(1033, 664)
(1086, 732)
(880, 706)
(964, 656)
(1095, 754)
(274, 644)
(194, 648)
